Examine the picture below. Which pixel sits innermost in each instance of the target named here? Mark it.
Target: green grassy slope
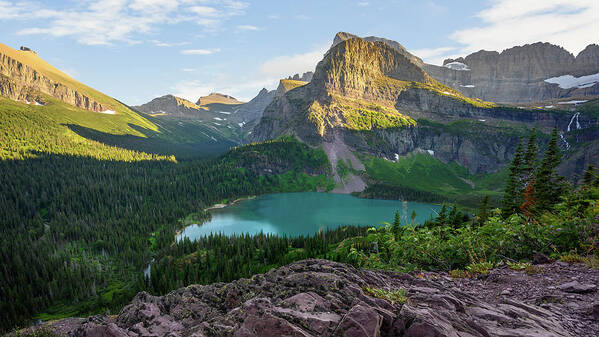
(424, 177)
(59, 128)
(28, 130)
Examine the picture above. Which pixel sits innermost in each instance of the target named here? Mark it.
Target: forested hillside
(69, 222)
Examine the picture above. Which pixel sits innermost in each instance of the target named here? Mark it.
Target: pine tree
(512, 197)
(442, 218)
(530, 160)
(548, 183)
(483, 211)
(589, 175)
(413, 217)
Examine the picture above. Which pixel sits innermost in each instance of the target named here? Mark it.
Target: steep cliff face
(519, 74)
(371, 98)
(23, 75)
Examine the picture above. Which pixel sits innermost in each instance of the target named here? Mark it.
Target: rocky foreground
(323, 298)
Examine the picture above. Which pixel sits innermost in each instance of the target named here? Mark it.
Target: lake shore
(215, 206)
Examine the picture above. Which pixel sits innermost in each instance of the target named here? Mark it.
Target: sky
(136, 50)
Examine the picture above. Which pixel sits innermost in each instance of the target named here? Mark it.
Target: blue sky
(135, 50)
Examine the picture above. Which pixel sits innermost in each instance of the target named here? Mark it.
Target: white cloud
(204, 10)
(158, 43)
(435, 55)
(188, 70)
(363, 3)
(283, 66)
(200, 51)
(103, 22)
(247, 27)
(246, 86)
(572, 24)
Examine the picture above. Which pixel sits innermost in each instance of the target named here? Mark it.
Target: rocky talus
(323, 298)
(21, 82)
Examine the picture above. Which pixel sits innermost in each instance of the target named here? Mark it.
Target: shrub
(393, 296)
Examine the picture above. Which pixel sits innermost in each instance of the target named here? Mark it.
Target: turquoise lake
(304, 213)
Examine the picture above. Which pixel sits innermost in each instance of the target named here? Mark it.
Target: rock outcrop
(305, 77)
(324, 298)
(24, 76)
(519, 74)
(251, 111)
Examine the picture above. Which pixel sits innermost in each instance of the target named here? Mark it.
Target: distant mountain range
(368, 96)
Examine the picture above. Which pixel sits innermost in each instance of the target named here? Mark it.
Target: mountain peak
(343, 36)
(217, 98)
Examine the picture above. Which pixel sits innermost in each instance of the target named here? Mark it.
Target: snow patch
(224, 112)
(548, 106)
(108, 112)
(482, 120)
(215, 123)
(241, 124)
(219, 119)
(431, 152)
(569, 81)
(575, 102)
(457, 66)
(396, 156)
(448, 93)
(468, 86)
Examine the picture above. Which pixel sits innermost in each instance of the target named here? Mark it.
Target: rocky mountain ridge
(173, 106)
(324, 298)
(305, 77)
(24, 77)
(219, 98)
(529, 73)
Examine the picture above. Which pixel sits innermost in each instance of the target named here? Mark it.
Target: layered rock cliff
(521, 74)
(323, 298)
(24, 75)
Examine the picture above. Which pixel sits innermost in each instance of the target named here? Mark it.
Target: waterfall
(561, 135)
(575, 116)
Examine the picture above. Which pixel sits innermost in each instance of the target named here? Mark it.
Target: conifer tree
(413, 216)
(589, 175)
(483, 211)
(512, 197)
(548, 182)
(530, 159)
